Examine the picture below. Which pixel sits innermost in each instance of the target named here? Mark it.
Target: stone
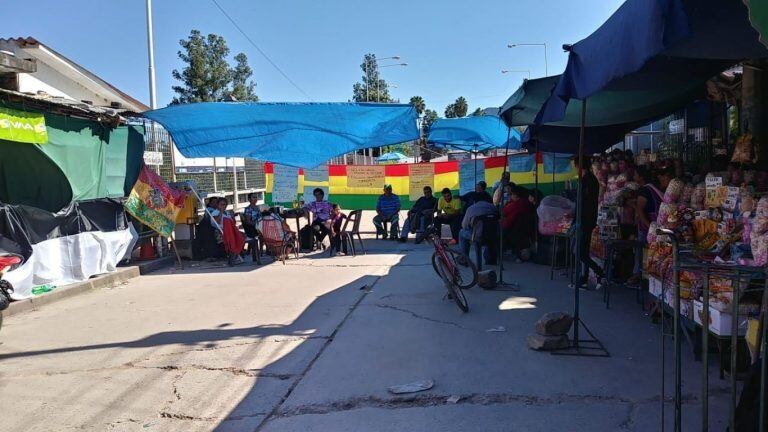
(486, 279)
(554, 324)
(547, 343)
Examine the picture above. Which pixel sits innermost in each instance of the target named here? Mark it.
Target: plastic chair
(488, 238)
(277, 240)
(347, 236)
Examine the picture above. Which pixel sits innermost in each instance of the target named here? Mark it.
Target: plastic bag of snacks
(761, 217)
(743, 150)
(651, 239)
(760, 249)
(687, 195)
(698, 196)
(667, 217)
(673, 192)
(553, 212)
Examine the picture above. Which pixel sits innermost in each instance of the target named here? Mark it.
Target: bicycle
(456, 270)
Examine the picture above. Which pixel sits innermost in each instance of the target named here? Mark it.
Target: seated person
(479, 194)
(419, 216)
(251, 216)
(231, 237)
(207, 244)
(449, 212)
(321, 211)
(387, 210)
(337, 219)
(500, 196)
(518, 221)
(472, 231)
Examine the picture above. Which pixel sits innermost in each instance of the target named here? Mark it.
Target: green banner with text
(22, 126)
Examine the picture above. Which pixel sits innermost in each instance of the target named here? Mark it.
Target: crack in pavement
(480, 399)
(629, 423)
(426, 318)
(233, 370)
(320, 352)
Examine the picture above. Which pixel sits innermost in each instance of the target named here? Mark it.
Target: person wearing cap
(387, 210)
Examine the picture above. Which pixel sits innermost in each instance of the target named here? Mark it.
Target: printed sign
(286, 184)
(713, 182)
(318, 174)
(22, 126)
(676, 126)
(153, 158)
(366, 176)
(420, 176)
(470, 172)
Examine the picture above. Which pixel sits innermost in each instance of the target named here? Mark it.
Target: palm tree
(419, 104)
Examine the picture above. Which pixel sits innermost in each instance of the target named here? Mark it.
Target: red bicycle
(456, 270)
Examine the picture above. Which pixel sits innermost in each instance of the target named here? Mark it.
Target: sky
(453, 48)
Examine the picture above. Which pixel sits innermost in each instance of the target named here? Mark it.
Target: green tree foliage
(419, 104)
(457, 109)
(477, 112)
(207, 76)
(372, 88)
(242, 88)
(429, 117)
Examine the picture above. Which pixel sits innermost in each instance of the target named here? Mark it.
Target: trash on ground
(496, 329)
(453, 399)
(412, 387)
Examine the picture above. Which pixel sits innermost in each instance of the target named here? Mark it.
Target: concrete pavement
(313, 346)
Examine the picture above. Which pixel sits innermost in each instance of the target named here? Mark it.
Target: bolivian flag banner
(154, 203)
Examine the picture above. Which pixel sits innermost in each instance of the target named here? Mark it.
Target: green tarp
(758, 16)
(81, 160)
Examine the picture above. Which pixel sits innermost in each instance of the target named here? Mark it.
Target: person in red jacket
(517, 219)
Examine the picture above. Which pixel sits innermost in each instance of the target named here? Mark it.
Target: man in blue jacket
(387, 210)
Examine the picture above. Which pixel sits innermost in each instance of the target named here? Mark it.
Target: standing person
(387, 210)
(590, 192)
(500, 190)
(448, 212)
(251, 216)
(419, 216)
(337, 217)
(321, 214)
(517, 220)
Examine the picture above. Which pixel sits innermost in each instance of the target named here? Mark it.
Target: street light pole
(546, 61)
(151, 51)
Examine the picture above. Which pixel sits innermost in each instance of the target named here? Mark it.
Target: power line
(261, 51)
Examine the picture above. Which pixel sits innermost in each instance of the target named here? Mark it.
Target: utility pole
(151, 51)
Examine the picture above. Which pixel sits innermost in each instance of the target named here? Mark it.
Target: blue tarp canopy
(392, 157)
(651, 45)
(475, 133)
(297, 134)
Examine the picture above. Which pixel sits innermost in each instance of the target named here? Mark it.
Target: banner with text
(365, 176)
(470, 172)
(22, 126)
(286, 184)
(420, 176)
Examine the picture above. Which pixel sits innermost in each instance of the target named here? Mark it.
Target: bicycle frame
(445, 257)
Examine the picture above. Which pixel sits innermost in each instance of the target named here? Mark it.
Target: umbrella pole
(581, 347)
(500, 255)
(536, 188)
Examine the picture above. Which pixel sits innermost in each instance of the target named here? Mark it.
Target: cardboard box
(654, 286)
(719, 322)
(686, 306)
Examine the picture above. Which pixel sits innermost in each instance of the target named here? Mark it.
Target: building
(28, 66)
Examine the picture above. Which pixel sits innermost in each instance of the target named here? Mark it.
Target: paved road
(313, 346)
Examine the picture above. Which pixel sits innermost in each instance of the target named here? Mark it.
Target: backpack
(306, 238)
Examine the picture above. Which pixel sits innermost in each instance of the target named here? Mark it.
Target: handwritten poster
(470, 172)
(366, 176)
(286, 184)
(309, 197)
(419, 176)
(317, 174)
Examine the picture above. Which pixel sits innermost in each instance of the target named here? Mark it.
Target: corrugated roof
(65, 106)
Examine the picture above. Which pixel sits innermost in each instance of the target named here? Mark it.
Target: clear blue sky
(453, 48)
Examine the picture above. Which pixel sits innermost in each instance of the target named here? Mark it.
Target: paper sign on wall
(286, 184)
(318, 174)
(470, 172)
(365, 176)
(420, 176)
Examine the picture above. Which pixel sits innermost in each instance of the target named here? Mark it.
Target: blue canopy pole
(500, 256)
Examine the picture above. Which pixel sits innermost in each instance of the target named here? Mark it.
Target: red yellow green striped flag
(154, 203)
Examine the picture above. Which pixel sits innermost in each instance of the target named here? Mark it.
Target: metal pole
(678, 340)
(215, 186)
(500, 256)
(234, 185)
(546, 65)
(579, 236)
(151, 52)
(705, 353)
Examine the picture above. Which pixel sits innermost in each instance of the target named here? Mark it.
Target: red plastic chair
(277, 240)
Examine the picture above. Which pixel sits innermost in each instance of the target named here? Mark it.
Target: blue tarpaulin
(475, 133)
(521, 163)
(557, 163)
(296, 134)
(392, 157)
(653, 44)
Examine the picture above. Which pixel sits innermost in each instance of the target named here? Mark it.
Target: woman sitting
(337, 219)
(231, 237)
(518, 221)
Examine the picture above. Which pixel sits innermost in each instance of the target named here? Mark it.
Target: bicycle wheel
(465, 276)
(456, 293)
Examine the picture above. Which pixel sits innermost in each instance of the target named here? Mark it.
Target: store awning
(475, 133)
(653, 45)
(297, 134)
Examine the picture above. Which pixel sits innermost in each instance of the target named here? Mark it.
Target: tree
(242, 89)
(419, 104)
(477, 112)
(457, 108)
(372, 88)
(429, 117)
(207, 76)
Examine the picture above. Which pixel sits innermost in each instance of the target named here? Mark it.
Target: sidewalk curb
(122, 274)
